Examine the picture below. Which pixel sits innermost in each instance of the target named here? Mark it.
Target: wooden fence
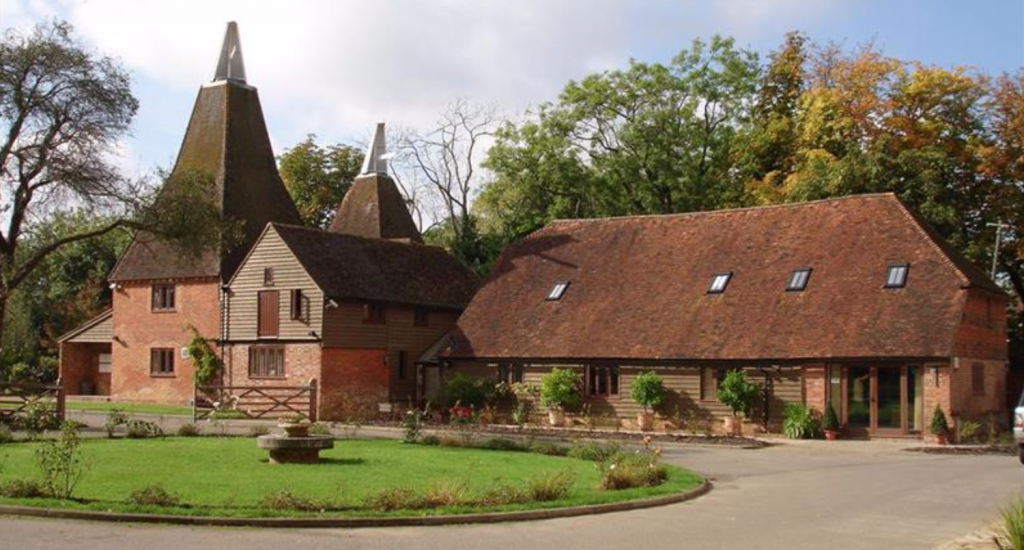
(255, 401)
(17, 399)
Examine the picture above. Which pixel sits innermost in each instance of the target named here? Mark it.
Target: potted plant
(939, 427)
(737, 392)
(559, 390)
(294, 425)
(648, 391)
(831, 424)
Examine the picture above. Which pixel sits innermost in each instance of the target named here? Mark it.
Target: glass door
(889, 398)
(858, 397)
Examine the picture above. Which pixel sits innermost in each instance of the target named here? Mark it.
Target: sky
(334, 68)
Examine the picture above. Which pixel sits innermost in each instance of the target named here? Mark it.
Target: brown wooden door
(267, 314)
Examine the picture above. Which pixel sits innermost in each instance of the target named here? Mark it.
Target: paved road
(843, 495)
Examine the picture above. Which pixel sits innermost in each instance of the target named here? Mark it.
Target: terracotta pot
(645, 421)
(556, 417)
(831, 435)
(732, 425)
(295, 429)
(940, 439)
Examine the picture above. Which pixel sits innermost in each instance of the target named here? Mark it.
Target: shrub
(412, 423)
(39, 416)
(387, 500)
(967, 430)
(648, 390)
(545, 448)
(443, 495)
(257, 431)
(593, 451)
(502, 444)
(319, 428)
(1011, 529)
(142, 429)
(831, 420)
(286, 500)
(115, 419)
(61, 464)
(628, 470)
(549, 486)
(737, 392)
(800, 422)
(6, 436)
(22, 488)
(208, 364)
(189, 430)
(465, 390)
(153, 495)
(503, 494)
(431, 440)
(939, 425)
(560, 389)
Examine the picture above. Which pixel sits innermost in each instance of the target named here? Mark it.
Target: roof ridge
(885, 194)
(356, 237)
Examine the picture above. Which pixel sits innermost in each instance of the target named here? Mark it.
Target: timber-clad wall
(682, 385)
(289, 275)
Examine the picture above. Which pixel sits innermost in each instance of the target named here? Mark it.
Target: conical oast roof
(227, 138)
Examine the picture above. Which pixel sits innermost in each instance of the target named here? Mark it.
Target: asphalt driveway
(840, 495)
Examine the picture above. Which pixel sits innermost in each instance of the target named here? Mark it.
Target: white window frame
(100, 362)
(558, 290)
(719, 282)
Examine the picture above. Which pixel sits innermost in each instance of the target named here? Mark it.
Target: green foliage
(503, 494)
(594, 451)
(549, 486)
(737, 392)
(391, 499)
(800, 422)
(154, 495)
(6, 436)
(317, 178)
(466, 391)
(629, 470)
(1011, 529)
(430, 440)
(560, 389)
(142, 429)
(412, 424)
(189, 430)
(444, 494)
(287, 500)
(115, 419)
(254, 431)
(208, 365)
(648, 390)
(39, 416)
(831, 420)
(319, 428)
(61, 464)
(547, 448)
(939, 425)
(967, 431)
(22, 488)
(502, 444)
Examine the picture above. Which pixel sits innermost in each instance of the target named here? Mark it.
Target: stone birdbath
(295, 445)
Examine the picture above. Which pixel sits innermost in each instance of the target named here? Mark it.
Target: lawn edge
(405, 521)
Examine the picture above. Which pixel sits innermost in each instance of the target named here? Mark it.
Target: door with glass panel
(883, 400)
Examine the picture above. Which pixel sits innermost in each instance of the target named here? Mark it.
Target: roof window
(798, 280)
(558, 290)
(719, 282)
(896, 275)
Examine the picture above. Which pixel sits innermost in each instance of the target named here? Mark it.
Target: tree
(62, 110)
(317, 178)
(446, 160)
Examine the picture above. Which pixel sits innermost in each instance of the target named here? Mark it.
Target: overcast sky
(335, 67)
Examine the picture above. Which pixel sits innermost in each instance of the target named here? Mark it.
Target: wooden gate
(17, 399)
(255, 401)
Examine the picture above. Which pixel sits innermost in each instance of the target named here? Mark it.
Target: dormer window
(719, 282)
(558, 290)
(896, 275)
(798, 280)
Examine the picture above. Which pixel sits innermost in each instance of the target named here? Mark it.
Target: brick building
(855, 302)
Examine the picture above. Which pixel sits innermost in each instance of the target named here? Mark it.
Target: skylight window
(896, 276)
(719, 282)
(558, 290)
(798, 280)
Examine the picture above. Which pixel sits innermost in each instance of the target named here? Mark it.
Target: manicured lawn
(151, 408)
(229, 476)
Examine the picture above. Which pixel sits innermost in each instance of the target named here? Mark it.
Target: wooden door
(268, 314)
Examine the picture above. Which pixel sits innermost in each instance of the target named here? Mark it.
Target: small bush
(502, 444)
(115, 419)
(800, 422)
(630, 470)
(319, 428)
(451, 442)
(60, 462)
(593, 451)
(286, 500)
(560, 389)
(545, 448)
(189, 430)
(387, 500)
(939, 425)
(256, 431)
(737, 392)
(967, 431)
(467, 391)
(39, 416)
(153, 495)
(142, 429)
(549, 486)
(831, 420)
(503, 494)
(1011, 529)
(430, 440)
(444, 494)
(412, 423)
(648, 390)
(22, 488)
(6, 436)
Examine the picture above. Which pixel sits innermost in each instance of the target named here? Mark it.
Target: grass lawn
(229, 476)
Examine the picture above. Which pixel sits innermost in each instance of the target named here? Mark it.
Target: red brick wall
(354, 381)
(814, 387)
(937, 391)
(80, 362)
(301, 364)
(992, 397)
(982, 332)
(137, 329)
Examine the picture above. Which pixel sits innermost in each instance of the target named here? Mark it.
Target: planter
(732, 425)
(940, 439)
(295, 429)
(831, 435)
(556, 417)
(645, 421)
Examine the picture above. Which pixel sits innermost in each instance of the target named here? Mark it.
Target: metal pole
(999, 225)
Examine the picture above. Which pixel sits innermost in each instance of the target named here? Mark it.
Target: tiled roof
(351, 267)
(638, 287)
(374, 207)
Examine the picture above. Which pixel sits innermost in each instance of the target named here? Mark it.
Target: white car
(1018, 427)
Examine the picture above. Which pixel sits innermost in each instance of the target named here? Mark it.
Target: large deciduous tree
(317, 178)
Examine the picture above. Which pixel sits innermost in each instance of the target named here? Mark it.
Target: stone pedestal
(294, 450)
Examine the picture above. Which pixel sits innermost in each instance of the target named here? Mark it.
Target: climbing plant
(207, 364)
